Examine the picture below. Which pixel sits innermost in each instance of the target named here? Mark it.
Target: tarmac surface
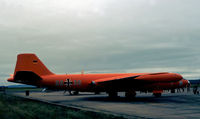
(169, 106)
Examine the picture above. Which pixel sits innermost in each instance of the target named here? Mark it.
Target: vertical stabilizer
(31, 63)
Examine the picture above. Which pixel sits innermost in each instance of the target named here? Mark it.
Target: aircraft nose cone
(186, 82)
(183, 83)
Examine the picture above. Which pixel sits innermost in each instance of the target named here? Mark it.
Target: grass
(12, 107)
(23, 89)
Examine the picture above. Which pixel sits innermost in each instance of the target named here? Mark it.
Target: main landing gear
(112, 94)
(157, 94)
(128, 94)
(75, 93)
(96, 92)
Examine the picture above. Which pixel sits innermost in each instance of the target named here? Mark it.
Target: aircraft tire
(157, 94)
(130, 94)
(112, 94)
(75, 93)
(97, 92)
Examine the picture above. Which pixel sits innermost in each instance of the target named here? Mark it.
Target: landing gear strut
(96, 92)
(75, 93)
(157, 94)
(112, 94)
(130, 94)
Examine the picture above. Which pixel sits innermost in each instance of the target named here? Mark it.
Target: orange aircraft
(30, 70)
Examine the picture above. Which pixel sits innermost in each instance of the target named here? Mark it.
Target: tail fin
(31, 63)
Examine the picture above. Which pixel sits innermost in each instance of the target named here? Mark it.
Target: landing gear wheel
(157, 94)
(96, 93)
(75, 93)
(112, 94)
(173, 91)
(130, 94)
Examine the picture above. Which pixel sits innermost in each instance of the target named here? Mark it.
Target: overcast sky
(102, 35)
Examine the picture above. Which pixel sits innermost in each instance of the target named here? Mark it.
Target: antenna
(82, 72)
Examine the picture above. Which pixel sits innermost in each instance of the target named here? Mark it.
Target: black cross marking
(68, 82)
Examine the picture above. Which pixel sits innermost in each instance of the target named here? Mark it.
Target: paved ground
(169, 106)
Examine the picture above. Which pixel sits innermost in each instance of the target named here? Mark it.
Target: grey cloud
(102, 36)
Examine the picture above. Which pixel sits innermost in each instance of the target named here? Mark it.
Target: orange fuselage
(82, 82)
(30, 70)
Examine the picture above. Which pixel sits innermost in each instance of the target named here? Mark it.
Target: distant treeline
(19, 86)
(195, 81)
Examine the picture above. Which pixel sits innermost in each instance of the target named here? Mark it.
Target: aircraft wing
(116, 79)
(138, 79)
